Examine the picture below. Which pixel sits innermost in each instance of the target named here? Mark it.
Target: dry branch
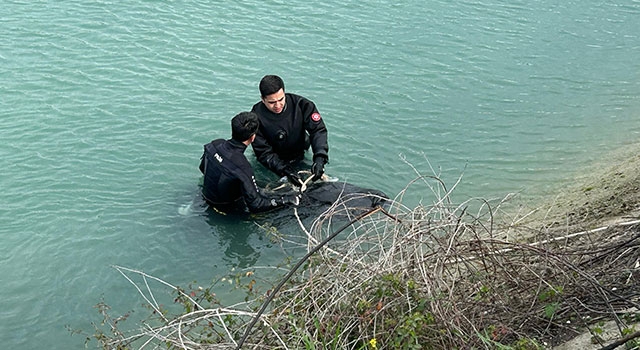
(435, 276)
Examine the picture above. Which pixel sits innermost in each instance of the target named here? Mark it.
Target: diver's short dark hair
(244, 125)
(270, 84)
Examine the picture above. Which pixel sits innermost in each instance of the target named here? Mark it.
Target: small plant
(597, 332)
(482, 294)
(632, 343)
(527, 344)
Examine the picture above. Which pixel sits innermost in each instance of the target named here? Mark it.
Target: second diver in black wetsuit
(229, 182)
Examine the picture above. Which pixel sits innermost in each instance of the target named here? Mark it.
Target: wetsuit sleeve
(202, 163)
(255, 200)
(314, 125)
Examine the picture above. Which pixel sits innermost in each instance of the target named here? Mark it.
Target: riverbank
(598, 207)
(602, 194)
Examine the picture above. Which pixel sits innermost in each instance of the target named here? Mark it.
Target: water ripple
(106, 106)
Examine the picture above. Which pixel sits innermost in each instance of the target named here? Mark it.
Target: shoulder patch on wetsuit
(316, 117)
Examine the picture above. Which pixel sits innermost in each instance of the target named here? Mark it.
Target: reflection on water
(234, 234)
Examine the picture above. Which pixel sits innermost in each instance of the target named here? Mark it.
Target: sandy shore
(602, 194)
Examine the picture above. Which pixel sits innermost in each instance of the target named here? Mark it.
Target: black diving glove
(292, 176)
(317, 169)
(293, 200)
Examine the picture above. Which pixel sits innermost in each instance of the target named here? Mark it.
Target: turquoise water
(105, 107)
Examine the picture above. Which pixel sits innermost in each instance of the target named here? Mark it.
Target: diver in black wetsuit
(289, 124)
(229, 183)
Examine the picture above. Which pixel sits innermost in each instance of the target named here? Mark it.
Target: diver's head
(272, 93)
(244, 126)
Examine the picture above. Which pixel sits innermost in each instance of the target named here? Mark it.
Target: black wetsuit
(282, 138)
(229, 184)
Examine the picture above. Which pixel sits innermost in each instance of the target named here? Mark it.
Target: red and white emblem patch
(315, 117)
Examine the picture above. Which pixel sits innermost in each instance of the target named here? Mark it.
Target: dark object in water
(318, 197)
(315, 200)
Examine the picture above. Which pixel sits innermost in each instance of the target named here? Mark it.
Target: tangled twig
(434, 275)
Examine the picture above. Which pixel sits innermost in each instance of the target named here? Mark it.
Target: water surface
(105, 107)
